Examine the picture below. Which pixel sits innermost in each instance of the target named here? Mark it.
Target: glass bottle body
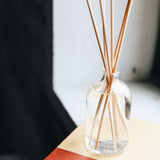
(107, 116)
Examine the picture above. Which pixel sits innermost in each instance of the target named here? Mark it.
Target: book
(143, 145)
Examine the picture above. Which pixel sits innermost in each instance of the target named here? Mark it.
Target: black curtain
(155, 74)
(32, 119)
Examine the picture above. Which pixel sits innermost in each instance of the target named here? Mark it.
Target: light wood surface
(144, 142)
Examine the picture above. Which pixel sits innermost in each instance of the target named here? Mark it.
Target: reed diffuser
(109, 99)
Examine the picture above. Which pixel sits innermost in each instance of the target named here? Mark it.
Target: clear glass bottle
(108, 113)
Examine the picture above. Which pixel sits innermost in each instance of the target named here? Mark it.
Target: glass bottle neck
(110, 75)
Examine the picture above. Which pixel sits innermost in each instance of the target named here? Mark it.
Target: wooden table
(144, 144)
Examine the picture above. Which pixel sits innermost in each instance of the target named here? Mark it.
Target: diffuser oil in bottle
(114, 132)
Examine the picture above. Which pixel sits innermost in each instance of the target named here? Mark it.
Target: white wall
(77, 59)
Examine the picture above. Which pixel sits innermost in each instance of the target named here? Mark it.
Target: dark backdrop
(155, 74)
(32, 119)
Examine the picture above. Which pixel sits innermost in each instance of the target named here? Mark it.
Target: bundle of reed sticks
(110, 62)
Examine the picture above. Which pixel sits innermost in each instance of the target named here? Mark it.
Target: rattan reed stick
(122, 33)
(97, 35)
(112, 125)
(105, 36)
(100, 125)
(112, 33)
(119, 38)
(95, 117)
(107, 77)
(121, 115)
(104, 42)
(112, 64)
(115, 118)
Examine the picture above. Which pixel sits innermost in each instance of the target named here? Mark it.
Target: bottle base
(106, 148)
